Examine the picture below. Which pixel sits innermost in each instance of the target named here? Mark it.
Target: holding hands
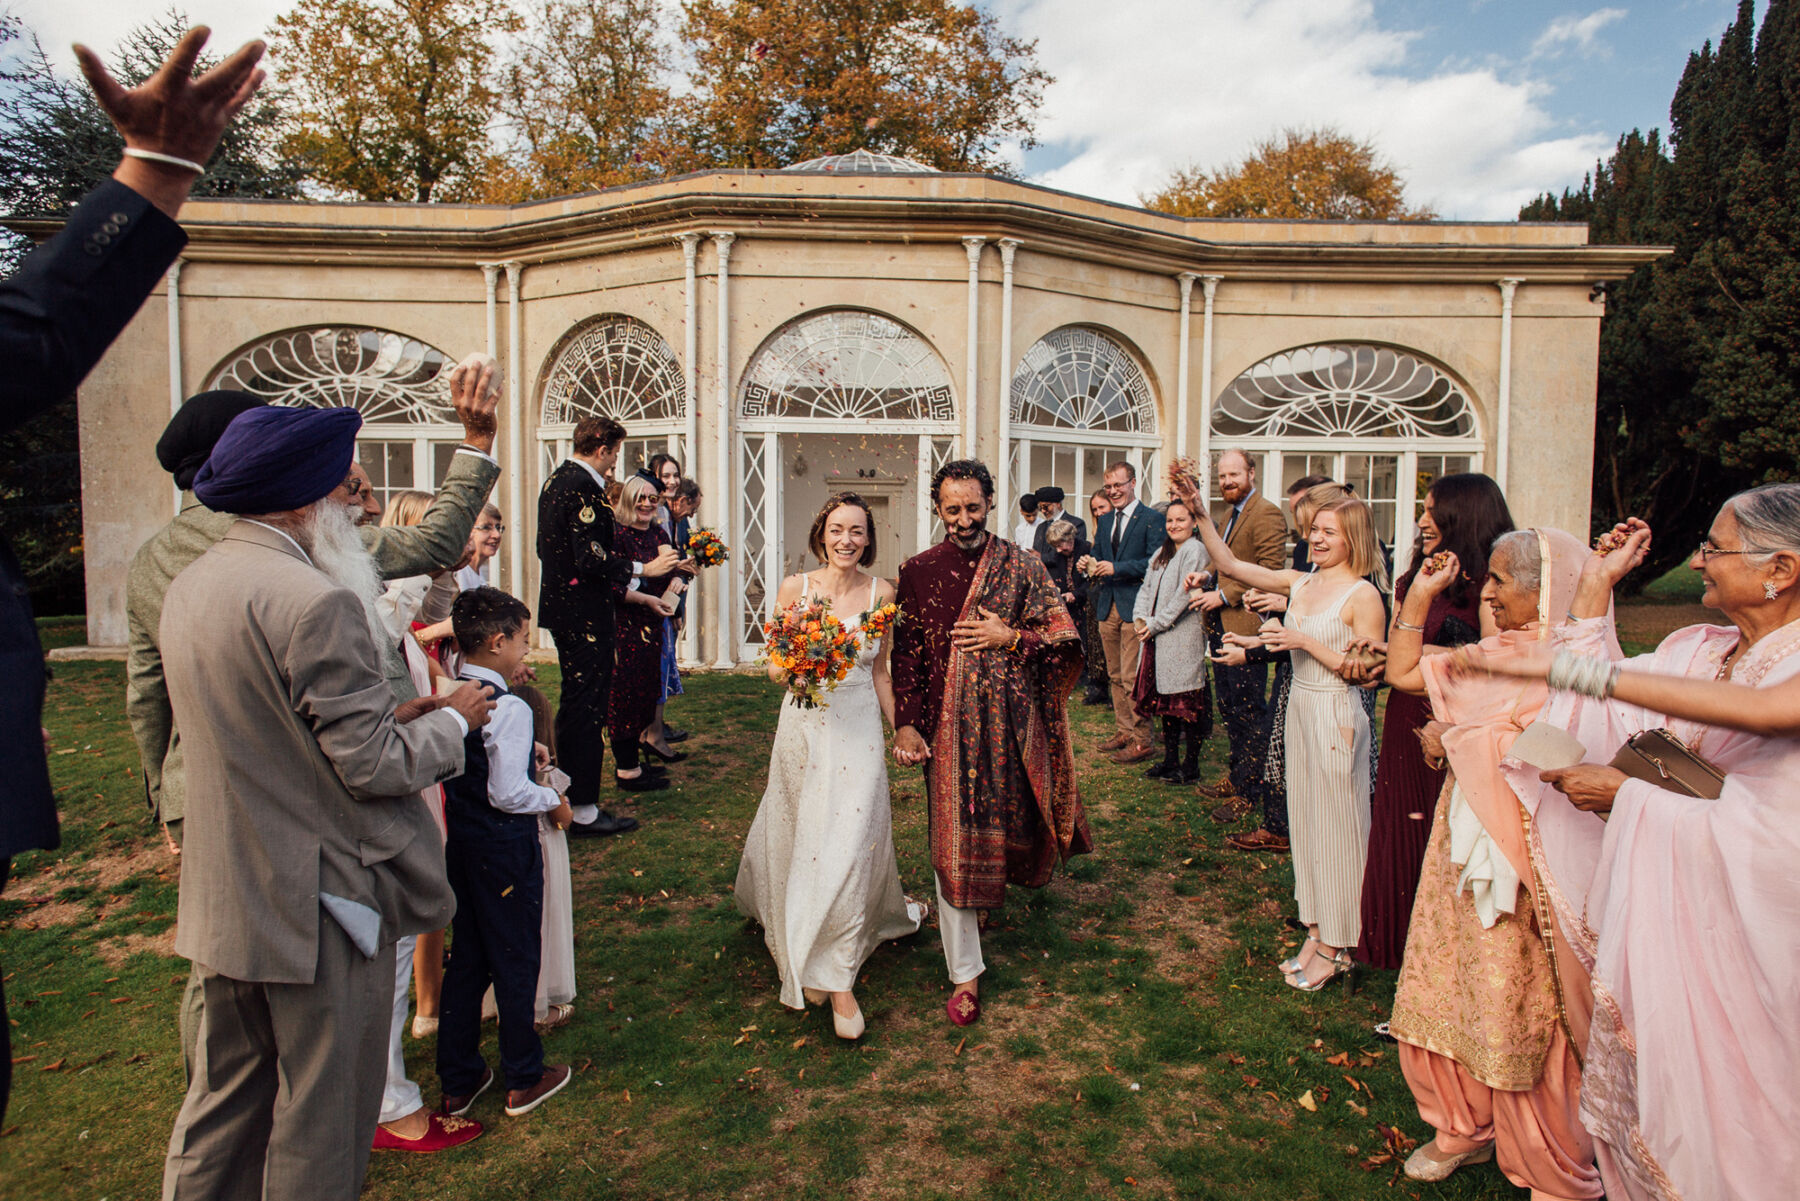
(909, 747)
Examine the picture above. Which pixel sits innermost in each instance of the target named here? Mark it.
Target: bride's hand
(909, 747)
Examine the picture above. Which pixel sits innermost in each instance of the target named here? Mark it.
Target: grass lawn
(1137, 1039)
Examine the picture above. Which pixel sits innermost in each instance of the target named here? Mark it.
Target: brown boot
(1235, 808)
(1136, 752)
(1219, 790)
(1116, 742)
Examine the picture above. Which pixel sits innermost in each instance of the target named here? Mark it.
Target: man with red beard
(984, 656)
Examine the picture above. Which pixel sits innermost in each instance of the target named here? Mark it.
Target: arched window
(836, 399)
(1080, 399)
(619, 367)
(846, 365)
(1382, 419)
(399, 384)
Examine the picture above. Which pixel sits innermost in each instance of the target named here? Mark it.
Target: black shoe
(1159, 772)
(644, 783)
(646, 748)
(673, 734)
(603, 825)
(1180, 775)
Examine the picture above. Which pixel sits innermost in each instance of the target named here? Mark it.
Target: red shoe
(964, 1008)
(444, 1133)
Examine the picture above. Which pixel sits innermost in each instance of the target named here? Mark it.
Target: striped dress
(1327, 746)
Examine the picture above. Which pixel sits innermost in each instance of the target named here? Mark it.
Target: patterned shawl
(1003, 802)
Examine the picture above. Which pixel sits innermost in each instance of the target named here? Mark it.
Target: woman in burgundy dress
(637, 670)
(1464, 513)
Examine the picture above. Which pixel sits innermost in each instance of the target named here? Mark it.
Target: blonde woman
(1326, 738)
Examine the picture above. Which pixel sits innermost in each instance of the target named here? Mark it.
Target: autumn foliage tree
(1303, 173)
(584, 100)
(779, 81)
(393, 98)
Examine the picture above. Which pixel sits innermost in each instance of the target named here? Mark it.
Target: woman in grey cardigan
(1171, 681)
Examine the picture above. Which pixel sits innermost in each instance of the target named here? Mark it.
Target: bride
(818, 870)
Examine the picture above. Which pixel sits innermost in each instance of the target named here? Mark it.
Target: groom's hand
(909, 747)
(986, 633)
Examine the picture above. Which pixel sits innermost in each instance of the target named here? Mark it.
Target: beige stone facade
(790, 334)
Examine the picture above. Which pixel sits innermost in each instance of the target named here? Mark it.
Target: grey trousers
(287, 1082)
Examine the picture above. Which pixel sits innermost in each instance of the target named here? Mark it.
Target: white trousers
(401, 1096)
(961, 931)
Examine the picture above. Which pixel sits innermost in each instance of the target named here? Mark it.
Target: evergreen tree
(1699, 355)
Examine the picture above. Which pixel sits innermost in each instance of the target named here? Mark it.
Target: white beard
(337, 550)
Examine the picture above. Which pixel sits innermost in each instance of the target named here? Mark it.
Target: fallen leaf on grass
(19, 1059)
(961, 1043)
(741, 1040)
(140, 1057)
(1340, 1060)
(799, 1042)
(745, 1029)
(1307, 1103)
(54, 1067)
(1360, 1110)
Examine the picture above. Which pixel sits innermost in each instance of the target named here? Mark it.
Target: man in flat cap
(306, 852)
(1051, 511)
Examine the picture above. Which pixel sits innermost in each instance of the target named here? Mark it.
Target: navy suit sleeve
(74, 294)
(1143, 544)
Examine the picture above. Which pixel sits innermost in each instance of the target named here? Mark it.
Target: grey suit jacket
(299, 781)
(437, 541)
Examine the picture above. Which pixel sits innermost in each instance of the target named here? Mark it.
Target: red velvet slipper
(964, 1008)
(445, 1132)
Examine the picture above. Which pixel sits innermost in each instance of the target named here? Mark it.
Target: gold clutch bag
(1660, 758)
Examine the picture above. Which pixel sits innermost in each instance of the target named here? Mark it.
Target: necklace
(1728, 662)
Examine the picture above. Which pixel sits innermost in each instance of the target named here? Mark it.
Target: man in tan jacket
(1255, 530)
(307, 853)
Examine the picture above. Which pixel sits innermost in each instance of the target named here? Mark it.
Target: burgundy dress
(1405, 795)
(637, 672)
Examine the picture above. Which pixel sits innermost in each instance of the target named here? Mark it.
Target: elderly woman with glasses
(1684, 909)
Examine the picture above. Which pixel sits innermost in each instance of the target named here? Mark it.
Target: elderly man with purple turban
(307, 854)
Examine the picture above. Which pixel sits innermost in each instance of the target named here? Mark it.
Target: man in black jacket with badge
(576, 599)
(68, 301)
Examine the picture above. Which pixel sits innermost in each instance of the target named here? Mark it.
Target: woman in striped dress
(1327, 731)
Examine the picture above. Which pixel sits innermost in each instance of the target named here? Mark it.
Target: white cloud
(1577, 32)
(1158, 84)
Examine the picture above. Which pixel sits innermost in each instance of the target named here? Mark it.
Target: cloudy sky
(1481, 104)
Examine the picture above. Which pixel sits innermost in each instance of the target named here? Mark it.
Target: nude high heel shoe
(848, 1028)
(815, 996)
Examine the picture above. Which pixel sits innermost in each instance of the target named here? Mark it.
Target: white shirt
(508, 737)
(1026, 531)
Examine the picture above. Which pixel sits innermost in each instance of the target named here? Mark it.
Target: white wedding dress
(818, 870)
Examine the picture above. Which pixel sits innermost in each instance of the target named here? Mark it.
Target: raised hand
(174, 112)
(475, 395)
(1619, 551)
(1439, 572)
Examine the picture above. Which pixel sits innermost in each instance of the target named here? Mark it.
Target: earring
(1769, 590)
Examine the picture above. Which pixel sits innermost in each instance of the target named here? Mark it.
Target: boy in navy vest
(496, 871)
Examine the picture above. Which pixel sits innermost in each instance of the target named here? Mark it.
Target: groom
(984, 657)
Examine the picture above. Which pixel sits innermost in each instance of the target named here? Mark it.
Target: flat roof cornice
(919, 208)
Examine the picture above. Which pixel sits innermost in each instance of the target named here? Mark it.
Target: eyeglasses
(496, 529)
(353, 488)
(1707, 551)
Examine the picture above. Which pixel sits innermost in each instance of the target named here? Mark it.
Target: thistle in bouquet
(811, 645)
(706, 548)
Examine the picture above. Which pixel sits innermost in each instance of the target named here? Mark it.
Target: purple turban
(274, 459)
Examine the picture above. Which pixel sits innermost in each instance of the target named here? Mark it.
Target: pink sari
(1687, 911)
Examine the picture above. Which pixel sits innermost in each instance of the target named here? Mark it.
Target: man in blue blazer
(58, 313)
(1124, 543)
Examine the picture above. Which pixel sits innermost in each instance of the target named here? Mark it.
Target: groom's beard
(973, 537)
(337, 550)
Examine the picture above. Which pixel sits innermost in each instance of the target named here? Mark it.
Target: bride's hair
(815, 539)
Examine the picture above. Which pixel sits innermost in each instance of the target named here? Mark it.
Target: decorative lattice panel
(758, 590)
(1344, 389)
(847, 365)
(387, 377)
(1079, 379)
(615, 367)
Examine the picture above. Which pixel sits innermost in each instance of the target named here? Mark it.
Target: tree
(584, 99)
(1699, 392)
(394, 98)
(1304, 173)
(55, 145)
(778, 81)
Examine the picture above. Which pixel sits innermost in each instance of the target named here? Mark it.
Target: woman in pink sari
(1483, 1042)
(1689, 907)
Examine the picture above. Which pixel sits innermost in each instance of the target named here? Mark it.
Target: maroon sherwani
(1001, 776)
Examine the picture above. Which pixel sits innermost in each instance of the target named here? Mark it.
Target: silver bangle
(1589, 675)
(1402, 625)
(153, 156)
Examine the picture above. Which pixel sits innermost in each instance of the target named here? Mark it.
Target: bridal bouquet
(706, 548)
(813, 647)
